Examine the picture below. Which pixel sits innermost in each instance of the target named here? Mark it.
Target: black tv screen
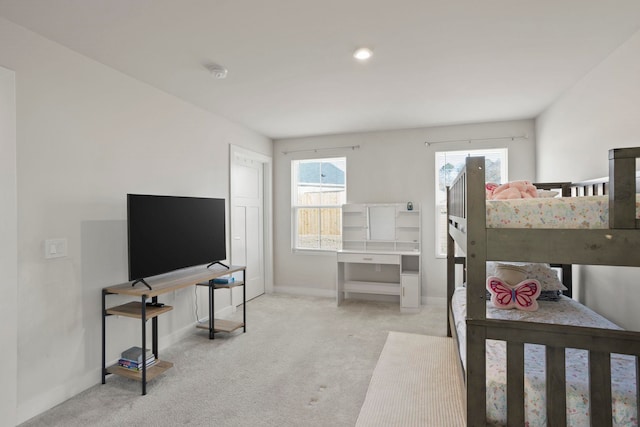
(167, 233)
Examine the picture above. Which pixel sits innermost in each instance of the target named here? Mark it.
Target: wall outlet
(55, 248)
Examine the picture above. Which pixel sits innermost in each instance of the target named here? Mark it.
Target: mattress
(565, 311)
(551, 212)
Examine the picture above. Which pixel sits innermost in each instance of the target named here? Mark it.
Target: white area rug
(416, 382)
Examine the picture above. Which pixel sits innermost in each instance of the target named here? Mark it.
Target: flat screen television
(167, 233)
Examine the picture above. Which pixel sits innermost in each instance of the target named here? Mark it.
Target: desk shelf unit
(368, 264)
(144, 310)
(403, 234)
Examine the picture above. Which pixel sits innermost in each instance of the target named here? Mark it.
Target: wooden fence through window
(329, 219)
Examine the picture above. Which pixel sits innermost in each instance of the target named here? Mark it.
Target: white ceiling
(291, 72)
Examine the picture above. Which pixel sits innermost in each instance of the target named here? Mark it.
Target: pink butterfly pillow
(522, 296)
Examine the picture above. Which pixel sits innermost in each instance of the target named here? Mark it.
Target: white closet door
(247, 223)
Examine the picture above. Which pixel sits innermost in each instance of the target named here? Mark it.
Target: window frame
(296, 207)
(441, 208)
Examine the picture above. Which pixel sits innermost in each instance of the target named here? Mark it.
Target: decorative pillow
(547, 276)
(543, 273)
(521, 296)
(544, 295)
(547, 193)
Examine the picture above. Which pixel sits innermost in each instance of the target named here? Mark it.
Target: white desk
(380, 272)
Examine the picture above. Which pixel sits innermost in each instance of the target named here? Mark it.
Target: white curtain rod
(315, 150)
(470, 140)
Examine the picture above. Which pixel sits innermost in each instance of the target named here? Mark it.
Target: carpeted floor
(302, 362)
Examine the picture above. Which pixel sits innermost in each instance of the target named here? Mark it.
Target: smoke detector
(218, 71)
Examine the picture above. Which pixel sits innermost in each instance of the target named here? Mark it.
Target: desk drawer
(369, 258)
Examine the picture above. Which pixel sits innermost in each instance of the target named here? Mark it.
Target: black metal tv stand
(143, 311)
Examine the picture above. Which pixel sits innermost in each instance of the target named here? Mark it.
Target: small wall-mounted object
(217, 71)
(409, 206)
(55, 248)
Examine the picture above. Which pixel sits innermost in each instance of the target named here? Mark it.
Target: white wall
(8, 252)
(574, 135)
(389, 167)
(88, 135)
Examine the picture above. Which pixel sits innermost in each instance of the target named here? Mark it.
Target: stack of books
(131, 358)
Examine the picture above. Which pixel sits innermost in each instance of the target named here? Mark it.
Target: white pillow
(547, 193)
(543, 273)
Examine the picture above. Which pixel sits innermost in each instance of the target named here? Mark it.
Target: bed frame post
(622, 185)
(476, 238)
(451, 266)
(476, 291)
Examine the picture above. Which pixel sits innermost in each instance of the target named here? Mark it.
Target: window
(448, 165)
(318, 192)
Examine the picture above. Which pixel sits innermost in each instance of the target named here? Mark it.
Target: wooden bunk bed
(617, 245)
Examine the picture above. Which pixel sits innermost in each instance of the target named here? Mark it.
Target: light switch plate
(55, 248)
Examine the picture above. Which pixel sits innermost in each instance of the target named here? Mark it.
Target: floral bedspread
(551, 212)
(565, 311)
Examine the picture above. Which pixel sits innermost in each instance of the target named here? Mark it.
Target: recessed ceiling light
(363, 53)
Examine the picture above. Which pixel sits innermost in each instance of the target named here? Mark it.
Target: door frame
(267, 208)
(9, 248)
